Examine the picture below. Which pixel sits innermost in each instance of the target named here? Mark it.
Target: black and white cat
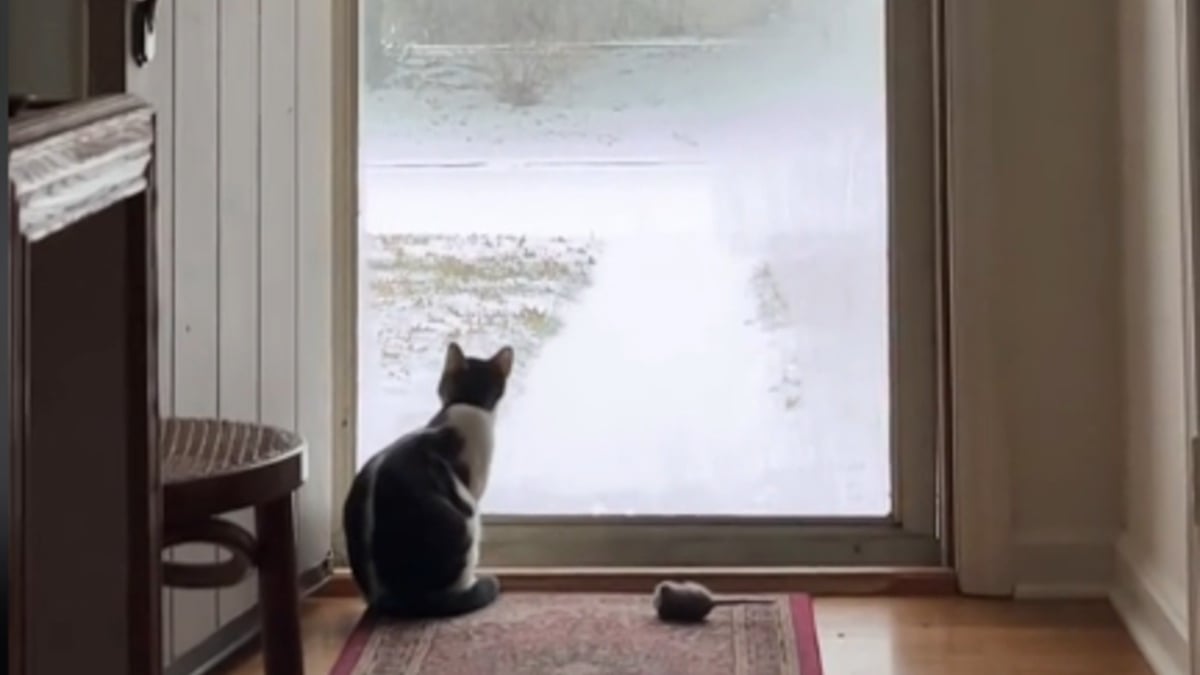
(412, 519)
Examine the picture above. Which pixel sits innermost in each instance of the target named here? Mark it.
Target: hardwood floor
(880, 636)
(944, 636)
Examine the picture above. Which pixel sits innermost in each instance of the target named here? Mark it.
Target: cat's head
(474, 381)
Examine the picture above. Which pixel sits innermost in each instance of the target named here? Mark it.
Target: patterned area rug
(576, 634)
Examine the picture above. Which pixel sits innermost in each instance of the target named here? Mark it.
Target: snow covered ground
(687, 248)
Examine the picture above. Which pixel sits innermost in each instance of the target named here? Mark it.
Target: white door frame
(981, 459)
(979, 456)
(344, 257)
(1188, 39)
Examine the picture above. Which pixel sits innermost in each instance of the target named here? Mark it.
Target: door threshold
(825, 581)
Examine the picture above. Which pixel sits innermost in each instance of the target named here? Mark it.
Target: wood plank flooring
(880, 636)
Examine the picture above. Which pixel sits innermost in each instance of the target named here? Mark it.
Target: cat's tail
(440, 604)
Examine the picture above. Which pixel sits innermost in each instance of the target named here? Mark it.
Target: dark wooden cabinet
(85, 502)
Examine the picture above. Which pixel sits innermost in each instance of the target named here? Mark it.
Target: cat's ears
(503, 360)
(456, 359)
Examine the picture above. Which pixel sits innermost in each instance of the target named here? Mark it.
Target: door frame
(980, 477)
(977, 529)
(1188, 60)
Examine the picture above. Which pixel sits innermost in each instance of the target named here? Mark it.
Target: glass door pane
(694, 222)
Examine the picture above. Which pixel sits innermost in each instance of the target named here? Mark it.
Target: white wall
(1152, 551)
(1055, 282)
(243, 230)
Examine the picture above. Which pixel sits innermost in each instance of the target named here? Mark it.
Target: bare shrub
(518, 78)
(521, 75)
(520, 68)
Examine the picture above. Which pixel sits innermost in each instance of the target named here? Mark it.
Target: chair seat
(212, 466)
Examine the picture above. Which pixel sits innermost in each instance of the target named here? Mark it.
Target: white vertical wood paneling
(277, 258)
(244, 245)
(197, 265)
(237, 146)
(314, 108)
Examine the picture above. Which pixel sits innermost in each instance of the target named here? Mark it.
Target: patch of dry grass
(427, 289)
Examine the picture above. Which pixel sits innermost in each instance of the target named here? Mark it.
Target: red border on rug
(355, 645)
(804, 623)
(808, 647)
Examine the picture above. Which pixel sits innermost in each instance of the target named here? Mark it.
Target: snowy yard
(685, 244)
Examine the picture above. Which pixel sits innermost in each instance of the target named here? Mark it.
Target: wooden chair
(211, 467)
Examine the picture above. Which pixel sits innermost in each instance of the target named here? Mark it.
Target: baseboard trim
(1051, 565)
(816, 581)
(1161, 636)
(239, 634)
(217, 648)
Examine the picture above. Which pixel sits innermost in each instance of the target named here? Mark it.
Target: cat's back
(390, 488)
(399, 470)
(389, 473)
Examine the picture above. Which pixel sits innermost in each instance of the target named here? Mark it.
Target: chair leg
(278, 588)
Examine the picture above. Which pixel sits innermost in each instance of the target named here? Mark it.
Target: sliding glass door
(710, 231)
